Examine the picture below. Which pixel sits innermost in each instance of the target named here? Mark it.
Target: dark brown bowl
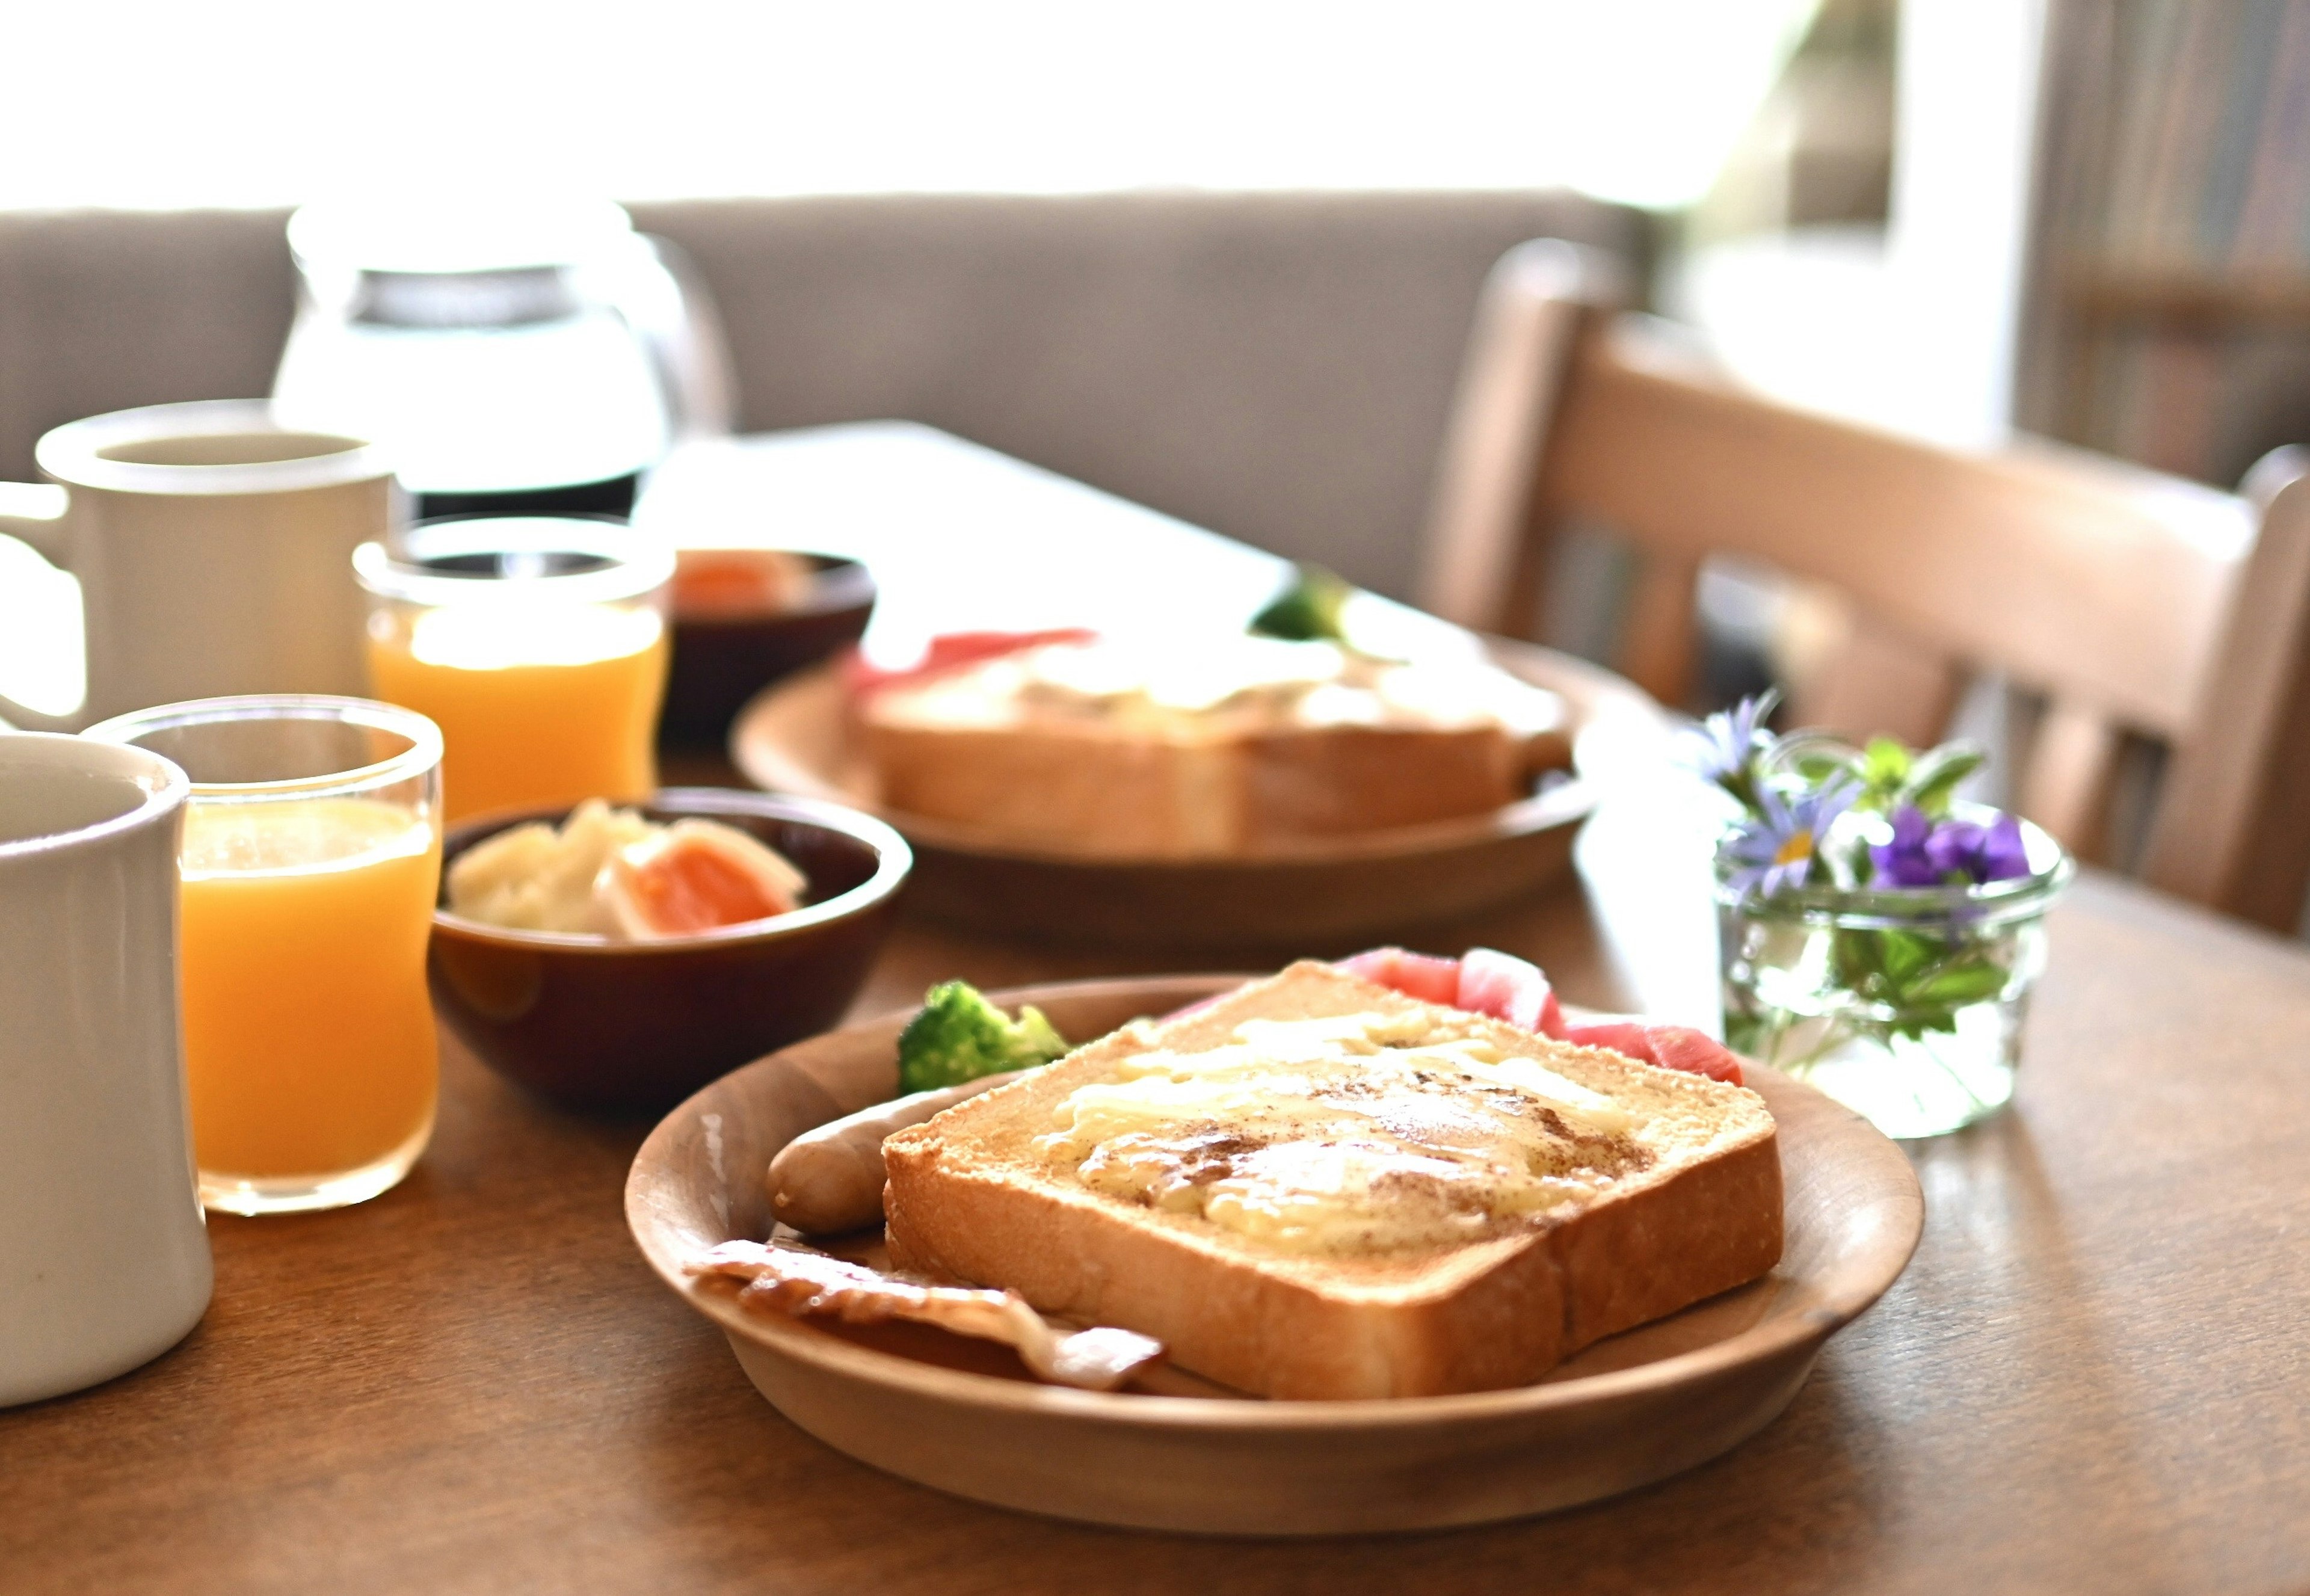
(720, 662)
(606, 1025)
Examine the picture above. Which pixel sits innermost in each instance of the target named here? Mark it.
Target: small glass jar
(1905, 1004)
(539, 645)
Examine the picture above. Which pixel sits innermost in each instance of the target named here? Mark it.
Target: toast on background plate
(1236, 743)
(1317, 1186)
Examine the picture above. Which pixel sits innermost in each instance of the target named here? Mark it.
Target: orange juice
(536, 705)
(308, 1037)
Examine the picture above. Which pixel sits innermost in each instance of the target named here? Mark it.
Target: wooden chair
(2132, 602)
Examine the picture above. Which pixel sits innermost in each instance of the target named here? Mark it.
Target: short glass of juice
(538, 644)
(309, 860)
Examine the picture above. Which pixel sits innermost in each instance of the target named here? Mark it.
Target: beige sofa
(1277, 367)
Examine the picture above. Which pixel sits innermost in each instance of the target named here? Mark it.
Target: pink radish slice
(1421, 975)
(1508, 988)
(1669, 1046)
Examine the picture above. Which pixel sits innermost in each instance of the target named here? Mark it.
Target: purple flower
(1949, 852)
(1776, 850)
(1908, 860)
(1991, 852)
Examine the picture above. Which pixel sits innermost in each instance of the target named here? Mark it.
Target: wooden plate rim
(1756, 1346)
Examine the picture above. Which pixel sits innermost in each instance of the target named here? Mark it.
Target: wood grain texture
(1473, 566)
(2231, 816)
(2089, 1378)
(2077, 574)
(1874, 682)
(2065, 786)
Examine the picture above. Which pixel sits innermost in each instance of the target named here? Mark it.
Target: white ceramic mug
(104, 1255)
(213, 549)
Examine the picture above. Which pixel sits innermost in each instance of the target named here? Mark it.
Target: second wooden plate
(795, 738)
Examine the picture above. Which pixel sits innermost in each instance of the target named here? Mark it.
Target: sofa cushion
(1277, 367)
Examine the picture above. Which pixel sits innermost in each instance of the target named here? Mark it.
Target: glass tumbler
(538, 644)
(310, 864)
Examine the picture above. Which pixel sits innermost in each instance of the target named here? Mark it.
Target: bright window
(253, 104)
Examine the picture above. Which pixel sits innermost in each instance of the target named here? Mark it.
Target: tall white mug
(214, 549)
(104, 1255)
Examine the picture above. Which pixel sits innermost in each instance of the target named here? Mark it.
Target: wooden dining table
(2094, 1374)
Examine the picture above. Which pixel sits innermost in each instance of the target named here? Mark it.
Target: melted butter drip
(1370, 1133)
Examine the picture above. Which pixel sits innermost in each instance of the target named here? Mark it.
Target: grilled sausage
(831, 1179)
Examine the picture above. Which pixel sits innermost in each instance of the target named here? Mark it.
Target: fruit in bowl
(609, 990)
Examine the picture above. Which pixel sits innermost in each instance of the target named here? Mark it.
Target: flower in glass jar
(1775, 850)
(1724, 747)
(1929, 853)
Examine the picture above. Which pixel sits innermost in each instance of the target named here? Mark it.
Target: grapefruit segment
(692, 877)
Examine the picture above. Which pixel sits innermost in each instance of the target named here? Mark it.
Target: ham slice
(1486, 981)
(1669, 1046)
(1509, 988)
(951, 651)
(1421, 975)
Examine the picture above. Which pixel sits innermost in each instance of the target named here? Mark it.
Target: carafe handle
(34, 512)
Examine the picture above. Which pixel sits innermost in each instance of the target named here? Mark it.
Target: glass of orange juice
(310, 862)
(538, 644)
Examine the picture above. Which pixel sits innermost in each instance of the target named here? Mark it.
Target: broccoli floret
(1307, 609)
(960, 1037)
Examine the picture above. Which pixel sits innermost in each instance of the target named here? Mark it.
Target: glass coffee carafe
(518, 357)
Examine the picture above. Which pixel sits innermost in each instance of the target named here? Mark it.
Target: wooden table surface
(2093, 1377)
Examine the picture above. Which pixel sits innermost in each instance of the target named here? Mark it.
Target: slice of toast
(987, 747)
(1621, 1193)
(1080, 786)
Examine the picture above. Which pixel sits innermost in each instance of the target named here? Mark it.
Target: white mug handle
(35, 513)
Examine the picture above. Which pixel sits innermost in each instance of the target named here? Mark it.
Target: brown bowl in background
(597, 1024)
(723, 655)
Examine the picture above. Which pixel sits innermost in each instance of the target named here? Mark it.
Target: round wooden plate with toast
(796, 737)
(1175, 1455)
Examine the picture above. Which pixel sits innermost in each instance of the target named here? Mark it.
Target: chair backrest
(2132, 602)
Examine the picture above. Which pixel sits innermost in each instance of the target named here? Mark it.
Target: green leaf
(1905, 953)
(1934, 777)
(1917, 1023)
(1816, 768)
(1957, 985)
(1858, 958)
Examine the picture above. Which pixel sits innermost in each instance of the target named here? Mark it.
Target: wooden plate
(795, 737)
(1627, 1411)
